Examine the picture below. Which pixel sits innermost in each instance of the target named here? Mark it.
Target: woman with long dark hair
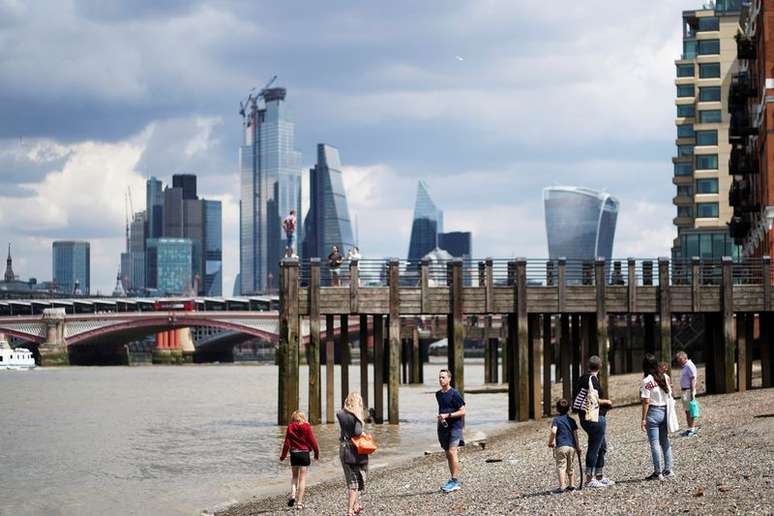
(654, 393)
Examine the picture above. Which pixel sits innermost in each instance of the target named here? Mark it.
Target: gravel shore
(727, 468)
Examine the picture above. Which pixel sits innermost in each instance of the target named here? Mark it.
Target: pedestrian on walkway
(451, 409)
(654, 393)
(289, 226)
(688, 388)
(334, 265)
(591, 405)
(300, 442)
(563, 438)
(355, 466)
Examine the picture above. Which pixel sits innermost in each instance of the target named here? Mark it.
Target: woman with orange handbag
(355, 464)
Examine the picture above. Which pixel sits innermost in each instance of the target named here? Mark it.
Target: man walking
(688, 386)
(289, 225)
(451, 409)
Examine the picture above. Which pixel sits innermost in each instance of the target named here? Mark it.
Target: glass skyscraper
(72, 266)
(213, 248)
(169, 265)
(580, 222)
(154, 206)
(270, 184)
(428, 222)
(327, 223)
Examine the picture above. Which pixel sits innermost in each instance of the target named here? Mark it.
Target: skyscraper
(213, 248)
(427, 223)
(327, 223)
(701, 174)
(72, 266)
(154, 207)
(456, 243)
(270, 171)
(580, 222)
(187, 182)
(169, 265)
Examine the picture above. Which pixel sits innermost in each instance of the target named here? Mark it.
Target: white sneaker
(594, 483)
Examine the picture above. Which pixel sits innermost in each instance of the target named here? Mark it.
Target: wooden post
(511, 342)
(330, 408)
(631, 270)
(767, 357)
(696, 284)
(378, 368)
(344, 358)
(488, 367)
(649, 320)
(393, 333)
(742, 346)
(424, 285)
(665, 310)
(729, 342)
(749, 336)
(489, 285)
(601, 323)
(535, 353)
(565, 355)
(315, 387)
(364, 361)
(456, 327)
(586, 323)
(576, 348)
(354, 287)
(522, 348)
(289, 336)
(416, 359)
(547, 361)
(494, 348)
(712, 328)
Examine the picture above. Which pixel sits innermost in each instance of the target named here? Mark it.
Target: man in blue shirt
(451, 409)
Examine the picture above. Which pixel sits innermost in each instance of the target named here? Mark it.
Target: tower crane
(251, 102)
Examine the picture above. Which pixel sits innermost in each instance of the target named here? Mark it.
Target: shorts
(335, 272)
(687, 398)
(564, 456)
(450, 436)
(300, 458)
(355, 476)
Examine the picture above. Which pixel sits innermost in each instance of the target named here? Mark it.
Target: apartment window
(685, 110)
(710, 116)
(707, 186)
(705, 47)
(709, 23)
(709, 94)
(707, 162)
(689, 49)
(707, 210)
(685, 150)
(707, 137)
(684, 190)
(709, 71)
(685, 211)
(685, 70)
(683, 169)
(685, 131)
(685, 90)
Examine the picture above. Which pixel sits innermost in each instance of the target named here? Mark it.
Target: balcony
(738, 228)
(685, 180)
(740, 197)
(742, 163)
(682, 221)
(682, 200)
(745, 47)
(740, 126)
(742, 88)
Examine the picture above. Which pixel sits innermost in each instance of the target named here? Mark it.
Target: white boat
(19, 358)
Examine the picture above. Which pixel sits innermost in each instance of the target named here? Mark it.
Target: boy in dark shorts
(564, 440)
(451, 409)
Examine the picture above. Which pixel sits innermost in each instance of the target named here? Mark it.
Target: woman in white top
(654, 392)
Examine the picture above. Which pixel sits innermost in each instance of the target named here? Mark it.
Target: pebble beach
(728, 468)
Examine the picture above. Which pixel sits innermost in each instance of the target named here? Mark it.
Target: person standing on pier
(289, 226)
(299, 441)
(688, 386)
(655, 393)
(451, 409)
(590, 404)
(355, 465)
(334, 264)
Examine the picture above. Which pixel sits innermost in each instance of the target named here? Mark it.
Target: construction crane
(251, 102)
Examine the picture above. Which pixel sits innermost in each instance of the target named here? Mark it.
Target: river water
(179, 439)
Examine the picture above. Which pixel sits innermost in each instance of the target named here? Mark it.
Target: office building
(701, 174)
(169, 266)
(213, 248)
(327, 223)
(72, 266)
(580, 222)
(427, 223)
(456, 243)
(187, 183)
(270, 184)
(154, 206)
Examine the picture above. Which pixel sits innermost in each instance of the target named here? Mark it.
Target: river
(179, 439)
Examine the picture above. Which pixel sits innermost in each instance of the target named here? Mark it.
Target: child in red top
(300, 441)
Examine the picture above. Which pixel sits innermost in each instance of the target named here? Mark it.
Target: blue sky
(98, 96)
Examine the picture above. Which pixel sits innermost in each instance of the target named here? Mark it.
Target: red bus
(174, 305)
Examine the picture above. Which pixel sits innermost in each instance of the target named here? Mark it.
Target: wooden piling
(456, 344)
(364, 361)
(378, 368)
(289, 337)
(330, 408)
(766, 340)
(522, 347)
(315, 386)
(416, 359)
(565, 356)
(665, 311)
(535, 361)
(344, 356)
(729, 341)
(509, 350)
(393, 333)
(547, 361)
(603, 344)
(576, 345)
(741, 355)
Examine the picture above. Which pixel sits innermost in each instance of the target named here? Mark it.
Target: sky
(489, 102)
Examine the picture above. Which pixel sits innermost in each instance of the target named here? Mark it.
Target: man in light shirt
(688, 386)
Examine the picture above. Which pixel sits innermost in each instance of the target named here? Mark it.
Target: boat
(19, 358)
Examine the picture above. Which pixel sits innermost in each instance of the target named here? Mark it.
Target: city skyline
(478, 124)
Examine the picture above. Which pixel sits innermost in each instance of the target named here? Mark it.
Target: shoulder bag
(591, 405)
(364, 444)
(673, 425)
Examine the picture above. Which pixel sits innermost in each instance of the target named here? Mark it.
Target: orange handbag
(364, 444)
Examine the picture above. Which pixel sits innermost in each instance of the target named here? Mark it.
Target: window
(707, 186)
(709, 71)
(685, 211)
(710, 116)
(707, 210)
(689, 49)
(685, 150)
(685, 70)
(708, 23)
(685, 90)
(705, 47)
(683, 169)
(707, 162)
(685, 131)
(684, 190)
(707, 137)
(685, 110)
(709, 94)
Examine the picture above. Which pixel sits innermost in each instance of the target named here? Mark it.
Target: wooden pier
(533, 300)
